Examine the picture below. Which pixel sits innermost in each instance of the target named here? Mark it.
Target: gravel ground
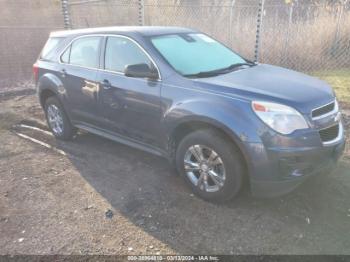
(93, 196)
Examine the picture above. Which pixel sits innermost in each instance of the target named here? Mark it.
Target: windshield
(195, 53)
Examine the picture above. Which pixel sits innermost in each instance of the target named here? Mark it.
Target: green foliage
(339, 80)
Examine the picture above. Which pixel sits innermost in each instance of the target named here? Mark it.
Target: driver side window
(121, 52)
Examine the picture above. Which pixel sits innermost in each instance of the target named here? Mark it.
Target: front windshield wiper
(220, 71)
(203, 74)
(237, 65)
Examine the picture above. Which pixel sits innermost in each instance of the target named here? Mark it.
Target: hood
(271, 83)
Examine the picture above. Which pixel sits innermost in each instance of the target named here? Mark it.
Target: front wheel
(211, 165)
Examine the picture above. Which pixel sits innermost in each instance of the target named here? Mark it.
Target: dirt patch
(17, 94)
(7, 120)
(101, 197)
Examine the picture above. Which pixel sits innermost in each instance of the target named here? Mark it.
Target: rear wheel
(211, 165)
(58, 120)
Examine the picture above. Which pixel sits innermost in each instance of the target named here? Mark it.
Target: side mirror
(141, 71)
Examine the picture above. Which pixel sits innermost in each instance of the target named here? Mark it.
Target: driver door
(128, 106)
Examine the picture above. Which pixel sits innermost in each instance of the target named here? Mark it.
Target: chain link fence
(97, 13)
(24, 28)
(302, 35)
(232, 23)
(306, 36)
(309, 36)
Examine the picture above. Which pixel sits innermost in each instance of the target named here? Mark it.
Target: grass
(339, 80)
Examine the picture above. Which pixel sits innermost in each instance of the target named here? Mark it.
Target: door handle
(106, 84)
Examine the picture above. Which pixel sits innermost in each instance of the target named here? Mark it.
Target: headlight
(280, 118)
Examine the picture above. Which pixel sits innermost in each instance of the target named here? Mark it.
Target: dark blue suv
(178, 93)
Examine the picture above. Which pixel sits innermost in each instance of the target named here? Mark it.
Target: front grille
(323, 110)
(330, 133)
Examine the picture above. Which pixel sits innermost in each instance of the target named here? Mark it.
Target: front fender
(233, 117)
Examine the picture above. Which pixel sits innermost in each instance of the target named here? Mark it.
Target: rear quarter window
(48, 51)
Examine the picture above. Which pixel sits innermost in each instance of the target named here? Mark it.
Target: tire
(58, 120)
(228, 165)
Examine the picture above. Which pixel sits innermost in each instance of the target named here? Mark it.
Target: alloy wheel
(55, 118)
(204, 168)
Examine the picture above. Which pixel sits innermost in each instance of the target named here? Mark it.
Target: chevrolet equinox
(175, 92)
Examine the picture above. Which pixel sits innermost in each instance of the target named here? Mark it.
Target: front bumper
(276, 171)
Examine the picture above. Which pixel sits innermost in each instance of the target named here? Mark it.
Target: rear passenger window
(85, 52)
(47, 52)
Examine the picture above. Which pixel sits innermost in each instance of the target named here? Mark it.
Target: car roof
(126, 30)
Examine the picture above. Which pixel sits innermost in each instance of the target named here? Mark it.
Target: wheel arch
(44, 95)
(50, 85)
(190, 125)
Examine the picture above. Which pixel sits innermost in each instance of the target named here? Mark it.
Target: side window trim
(70, 47)
(102, 49)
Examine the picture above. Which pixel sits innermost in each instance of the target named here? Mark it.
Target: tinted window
(121, 51)
(194, 53)
(51, 44)
(85, 52)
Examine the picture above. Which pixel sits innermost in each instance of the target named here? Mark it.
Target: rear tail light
(35, 72)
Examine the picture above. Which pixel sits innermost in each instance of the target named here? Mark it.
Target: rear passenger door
(129, 106)
(79, 64)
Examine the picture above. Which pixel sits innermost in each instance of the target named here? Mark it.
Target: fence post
(258, 29)
(231, 20)
(141, 12)
(286, 44)
(339, 22)
(66, 16)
